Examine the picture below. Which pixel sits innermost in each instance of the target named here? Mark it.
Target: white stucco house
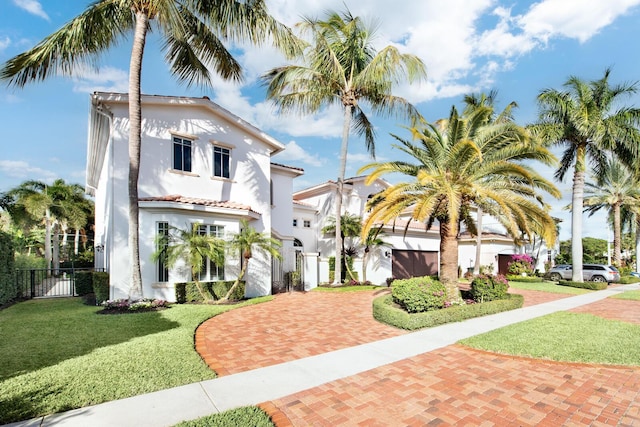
(199, 163)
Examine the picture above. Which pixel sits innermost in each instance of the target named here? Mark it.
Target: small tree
(245, 242)
(193, 247)
(373, 242)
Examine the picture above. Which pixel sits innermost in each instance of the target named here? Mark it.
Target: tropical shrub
(30, 262)
(84, 282)
(126, 305)
(100, 286)
(189, 292)
(8, 289)
(419, 294)
(520, 263)
(489, 288)
(595, 286)
(386, 312)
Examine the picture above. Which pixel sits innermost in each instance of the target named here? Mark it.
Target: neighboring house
(199, 163)
(412, 251)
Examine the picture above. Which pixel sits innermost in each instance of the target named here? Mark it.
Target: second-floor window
(181, 154)
(306, 223)
(221, 157)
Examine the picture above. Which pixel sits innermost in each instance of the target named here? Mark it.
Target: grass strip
(551, 287)
(628, 295)
(58, 354)
(566, 337)
(245, 416)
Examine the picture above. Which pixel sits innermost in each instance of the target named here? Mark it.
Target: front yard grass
(245, 416)
(58, 354)
(628, 295)
(545, 286)
(566, 337)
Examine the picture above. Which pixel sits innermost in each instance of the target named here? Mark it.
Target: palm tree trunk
(637, 241)
(236, 283)
(55, 249)
(577, 202)
(476, 267)
(135, 131)
(339, 191)
(449, 260)
(365, 261)
(617, 238)
(76, 242)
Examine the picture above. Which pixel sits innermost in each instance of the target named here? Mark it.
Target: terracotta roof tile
(197, 201)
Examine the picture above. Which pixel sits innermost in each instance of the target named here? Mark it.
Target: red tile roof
(198, 201)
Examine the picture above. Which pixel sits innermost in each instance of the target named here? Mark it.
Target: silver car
(590, 273)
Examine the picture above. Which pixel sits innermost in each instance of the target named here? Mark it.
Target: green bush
(385, 311)
(419, 294)
(345, 271)
(627, 280)
(596, 286)
(8, 290)
(100, 286)
(188, 292)
(486, 288)
(30, 262)
(84, 282)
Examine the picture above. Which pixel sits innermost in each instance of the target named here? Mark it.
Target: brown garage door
(410, 263)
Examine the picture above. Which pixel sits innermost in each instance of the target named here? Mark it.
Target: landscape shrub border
(84, 282)
(594, 286)
(8, 290)
(385, 311)
(100, 281)
(188, 291)
(524, 279)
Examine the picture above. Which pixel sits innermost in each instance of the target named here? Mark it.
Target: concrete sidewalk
(168, 407)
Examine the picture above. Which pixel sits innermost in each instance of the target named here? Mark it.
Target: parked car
(590, 273)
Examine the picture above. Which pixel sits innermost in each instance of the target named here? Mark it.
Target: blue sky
(515, 47)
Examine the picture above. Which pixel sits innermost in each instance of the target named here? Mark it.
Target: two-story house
(199, 164)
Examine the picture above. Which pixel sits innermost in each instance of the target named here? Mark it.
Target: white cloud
(23, 170)
(4, 43)
(106, 79)
(295, 152)
(33, 7)
(578, 19)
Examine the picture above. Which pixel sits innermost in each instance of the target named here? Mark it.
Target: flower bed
(117, 306)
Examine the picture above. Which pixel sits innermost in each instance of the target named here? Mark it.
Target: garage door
(411, 263)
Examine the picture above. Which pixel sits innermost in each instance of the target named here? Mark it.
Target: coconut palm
(616, 189)
(341, 67)
(193, 247)
(246, 242)
(465, 161)
(194, 33)
(587, 120)
(350, 226)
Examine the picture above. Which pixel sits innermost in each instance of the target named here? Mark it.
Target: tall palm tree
(341, 67)
(472, 102)
(464, 161)
(616, 189)
(587, 120)
(246, 242)
(194, 248)
(194, 33)
(350, 226)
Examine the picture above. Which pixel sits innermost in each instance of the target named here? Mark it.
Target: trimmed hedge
(595, 286)
(419, 294)
(84, 282)
(100, 286)
(188, 292)
(627, 280)
(385, 311)
(8, 289)
(524, 279)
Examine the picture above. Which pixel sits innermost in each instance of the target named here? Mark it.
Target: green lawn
(628, 295)
(547, 287)
(564, 336)
(58, 354)
(246, 416)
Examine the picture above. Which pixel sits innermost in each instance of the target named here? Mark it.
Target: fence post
(33, 283)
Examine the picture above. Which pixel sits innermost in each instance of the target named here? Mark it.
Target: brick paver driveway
(451, 386)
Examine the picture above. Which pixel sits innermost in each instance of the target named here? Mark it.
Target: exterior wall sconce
(387, 254)
(100, 248)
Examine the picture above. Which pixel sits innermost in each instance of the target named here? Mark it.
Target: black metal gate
(288, 281)
(47, 283)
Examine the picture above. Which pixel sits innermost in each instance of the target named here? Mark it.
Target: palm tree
(584, 119)
(245, 242)
(343, 68)
(42, 202)
(616, 189)
(472, 102)
(373, 241)
(193, 33)
(194, 248)
(464, 161)
(350, 226)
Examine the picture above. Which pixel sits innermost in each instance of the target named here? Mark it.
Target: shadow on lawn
(39, 333)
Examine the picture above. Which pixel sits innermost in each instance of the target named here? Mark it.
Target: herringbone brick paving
(451, 386)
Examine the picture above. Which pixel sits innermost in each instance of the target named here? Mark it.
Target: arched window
(297, 243)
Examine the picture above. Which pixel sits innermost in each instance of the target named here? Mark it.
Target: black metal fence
(47, 283)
